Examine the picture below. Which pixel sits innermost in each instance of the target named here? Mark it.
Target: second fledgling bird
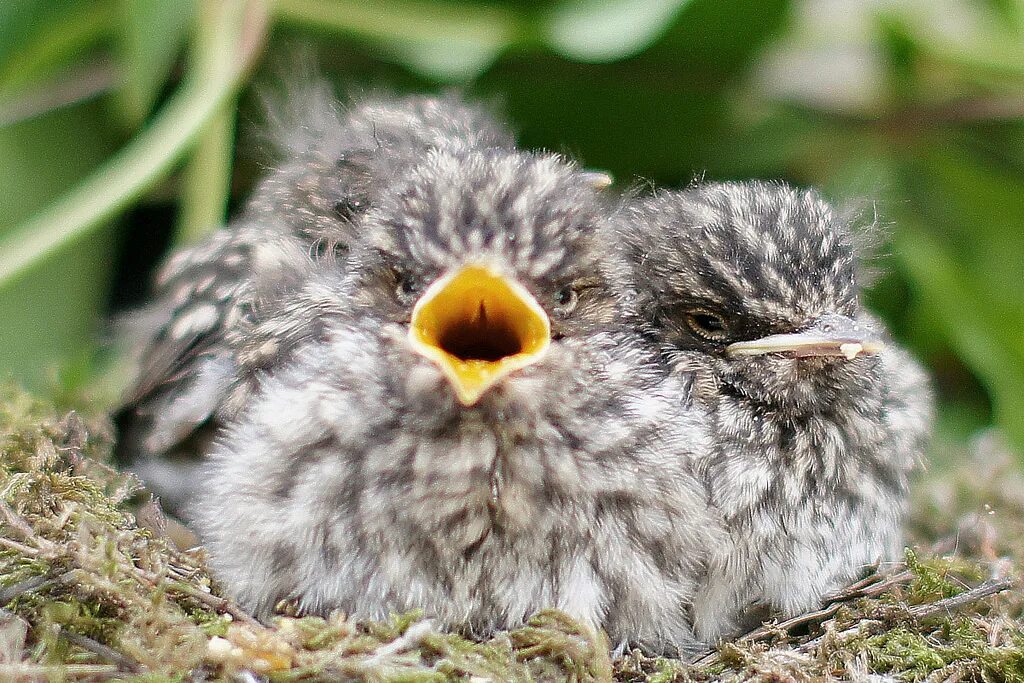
(817, 417)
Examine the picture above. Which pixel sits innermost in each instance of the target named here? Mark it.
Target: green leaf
(976, 208)
(21, 20)
(1010, 13)
(660, 115)
(206, 180)
(151, 34)
(150, 156)
(37, 167)
(608, 30)
(966, 264)
(54, 313)
(35, 43)
(970, 321)
(649, 124)
(453, 60)
(444, 40)
(994, 53)
(712, 41)
(902, 52)
(782, 141)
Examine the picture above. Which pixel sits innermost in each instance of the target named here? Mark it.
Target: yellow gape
(478, 326)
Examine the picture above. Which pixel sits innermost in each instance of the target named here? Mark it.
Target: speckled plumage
(812, 455)
(354, 480)
(334, 165)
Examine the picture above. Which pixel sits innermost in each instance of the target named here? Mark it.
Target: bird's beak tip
(478, 326)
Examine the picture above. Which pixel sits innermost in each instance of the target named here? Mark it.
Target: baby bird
(335, 165)
(817, 418)
(461, 419)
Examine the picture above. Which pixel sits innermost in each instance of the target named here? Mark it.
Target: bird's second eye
(346, 209)
(566, 299)
(325, 250)
(408, 287)
(708, 325)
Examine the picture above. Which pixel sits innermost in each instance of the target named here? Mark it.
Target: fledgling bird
(335, 164)
(461, 420)
(817, 417)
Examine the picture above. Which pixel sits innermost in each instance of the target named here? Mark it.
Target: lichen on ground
(90, 591)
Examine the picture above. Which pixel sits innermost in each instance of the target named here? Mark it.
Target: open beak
(478, 326)
(830, 335)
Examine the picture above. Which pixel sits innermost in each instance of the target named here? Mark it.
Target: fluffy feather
(812, 455)
(354, 479)
(334, 166)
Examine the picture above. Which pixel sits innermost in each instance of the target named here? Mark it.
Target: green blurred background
(127, 127)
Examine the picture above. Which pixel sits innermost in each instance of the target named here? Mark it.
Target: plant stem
(240, 29)
(406, 19)
(206, 181)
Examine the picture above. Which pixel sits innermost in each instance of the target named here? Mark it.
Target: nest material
(91, 592)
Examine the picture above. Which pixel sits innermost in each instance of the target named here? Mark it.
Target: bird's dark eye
(408, 287)
(347, 208)
(566, 299)
(708, 325)
(325, 249)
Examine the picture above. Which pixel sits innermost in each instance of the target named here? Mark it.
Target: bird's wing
(185, 366)
(190, 377)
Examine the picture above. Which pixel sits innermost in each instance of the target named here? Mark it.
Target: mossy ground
(91, 592)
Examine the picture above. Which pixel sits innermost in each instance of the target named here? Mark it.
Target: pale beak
(478, 326)
(831, 335)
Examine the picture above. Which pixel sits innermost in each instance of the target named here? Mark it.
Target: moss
(960, 645)
(634, 667)
(931, 578)
(75, 565)
(903, 651)
(555, 647)
(88, 594)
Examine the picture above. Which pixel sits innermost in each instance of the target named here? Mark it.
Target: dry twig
(946, 605)
(102, 651)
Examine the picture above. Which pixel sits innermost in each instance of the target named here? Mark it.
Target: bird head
(757, 279)
(335, 161)
(493, 273)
